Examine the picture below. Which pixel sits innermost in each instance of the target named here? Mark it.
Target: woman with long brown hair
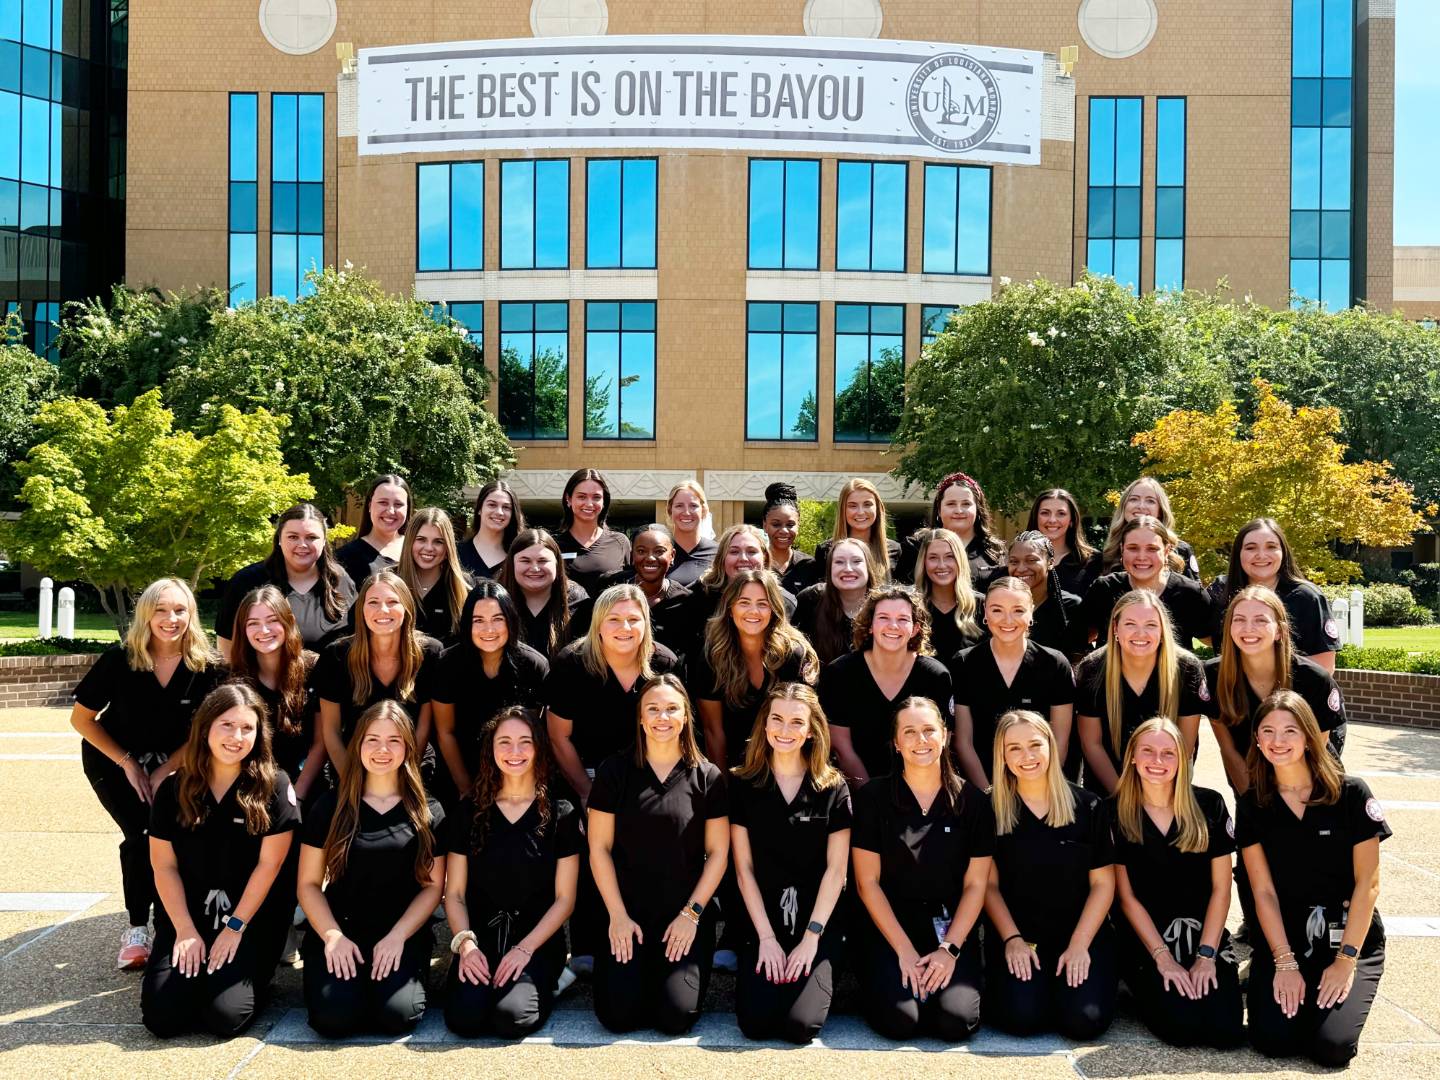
(430, 566)
(591, 549)
(825, 612)
(789, 845)
(497, 520)
(960, 506)
(1056, 515)
(942, 577)
(372, 868)
(219, 833)
(860, 515)
(553, 609)
(1149, 560)
(1144, 497)
(377, 544)
(511, 879)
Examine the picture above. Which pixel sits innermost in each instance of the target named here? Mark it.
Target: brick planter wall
(1384, 697)
(28, 682)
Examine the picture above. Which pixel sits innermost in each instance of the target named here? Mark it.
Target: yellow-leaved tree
(1290, 466)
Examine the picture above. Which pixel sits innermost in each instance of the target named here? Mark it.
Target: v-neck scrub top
(602, 711)
(435, 615)
(1307, 678)
(946, 638)
(1042, 680)
(216, 858)
(316, 628)
(360, 558)
(290, 749)
(852, 700)
(1169, 883)
(332, 682)
(536, 628)
(1135, 709)
(149, 720)
(739, 720)
(659, 847)
(689, 565)
(609, 554)
(1187, 603)
(460, 680)
(379, 882)
(789, 844)
(474, 564)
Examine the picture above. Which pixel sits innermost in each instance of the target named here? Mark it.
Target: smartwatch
(1205, 952)
(234, 922)
(1350, 952)
(695, 909)
(815, 927)
(951, 948)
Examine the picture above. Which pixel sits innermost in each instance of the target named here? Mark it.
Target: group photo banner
(816, 95)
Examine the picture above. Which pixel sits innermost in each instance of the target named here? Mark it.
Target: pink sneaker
(134, 949)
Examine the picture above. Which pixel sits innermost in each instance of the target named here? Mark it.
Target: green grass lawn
(96, 625)
(1410, 638)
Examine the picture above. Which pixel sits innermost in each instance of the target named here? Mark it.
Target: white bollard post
(1340, 612)
(1357, 618)
(47, 605)
(65, 613)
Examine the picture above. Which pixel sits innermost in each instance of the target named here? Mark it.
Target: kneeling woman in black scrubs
(1173, 848)
(371, 873)
(1050, 959)
(659, 838)
(219, 833)
(1310, 837)
(510, 884)
(922, 843)
(790, 843)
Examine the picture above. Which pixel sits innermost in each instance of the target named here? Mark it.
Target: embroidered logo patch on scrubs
(1194, 565)
(290, 793)
(1333, 701)
(1230, 826)
(1331, 630)
(1204, 691)
(1373, 810)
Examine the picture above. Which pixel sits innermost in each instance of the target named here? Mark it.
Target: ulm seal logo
(954, 102)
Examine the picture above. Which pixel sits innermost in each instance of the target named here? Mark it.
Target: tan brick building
(1249, 152)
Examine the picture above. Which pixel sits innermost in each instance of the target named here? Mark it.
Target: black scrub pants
(1326, 1036)
(1045, 1002)
(1216, 1020)
(223, 1004)
(794, 1012)
(517, 1009)
(132, 815)
(342, 1007)
(952, 1015)
(649, 991)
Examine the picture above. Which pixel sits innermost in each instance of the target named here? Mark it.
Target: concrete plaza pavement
(64, 1011)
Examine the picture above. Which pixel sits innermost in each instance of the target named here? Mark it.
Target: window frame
(297, 183)
(904, 166)
(230, 231)
(959, 167)
(655, 253)
(499, 387)
(450, 266)
(784, 187)
(870, 439)
(782, 437)
(1139, 188)
(619, 333)
(1184, 187)
(533, 162)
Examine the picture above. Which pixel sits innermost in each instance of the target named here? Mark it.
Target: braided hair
(1052, 579)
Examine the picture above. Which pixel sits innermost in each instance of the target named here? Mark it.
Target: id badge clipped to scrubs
(941, 923)
(1337, 929)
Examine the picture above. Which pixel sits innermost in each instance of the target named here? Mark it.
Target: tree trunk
(114, 599)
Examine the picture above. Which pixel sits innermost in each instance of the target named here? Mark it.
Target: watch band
(234, 922)
(695, 909)
(951, 948)
(816, 927)
(1205, 952)
(1350, 952)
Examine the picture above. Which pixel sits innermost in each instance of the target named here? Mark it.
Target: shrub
(817, 522)
(1397, 660)
(52, 646)
(1387, 605)
(1423, 581)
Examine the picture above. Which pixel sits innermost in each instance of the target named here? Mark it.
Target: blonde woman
(942, 576)
(1139, 673)
(1145, 496)
(790, 846)
(1149, 560)
(430, 566)
(860, 515)
(1049, 949)
(740, 547)
(692, 530)
(1173, 849)
(148, 687)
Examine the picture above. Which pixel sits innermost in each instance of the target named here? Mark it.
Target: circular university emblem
(1333, 701)
(1373, 810)
(953, 101)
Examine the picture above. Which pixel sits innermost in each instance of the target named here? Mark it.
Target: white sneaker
(726, 960)
(582, 965)
(291, 955)
(566, 980)
(134, 949)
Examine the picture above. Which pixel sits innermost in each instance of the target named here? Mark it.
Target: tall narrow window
(1112, 225)
(472, 317)
(869, 371)
(450, 216)
(535, 214)
(297, 192)
(620, 370)
(784, 214)
(781, 360)
(534, 370)
(1170, 192)
(1321, 174)
(957, 220)
(244, 199)
(870, 216)
(620, 213)
(933, 320)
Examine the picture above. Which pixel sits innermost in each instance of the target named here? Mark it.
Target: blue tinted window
(450, 212)
(933, 320)
(1112, 225)
(1338, 36)
(1305, 26)
(870, 216)
(244, 135)
(620, 213)
(956, 232)
(35, 22)
(620, 370)
(1170, 153)
(472, 317)
(9, 136)
(9, 66)
(10, 20)
(35, 141)
(297, 192)
(782, 352)
(869, 371)
(534, 370)
(535, 214)
(243, 247)
(784, 225)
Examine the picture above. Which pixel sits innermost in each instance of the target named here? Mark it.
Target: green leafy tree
(870, 406)
(120, 500)
(807, 420)
(534, 397)
(598, 421)
(817, 522)
(26, 382)
(371, 384)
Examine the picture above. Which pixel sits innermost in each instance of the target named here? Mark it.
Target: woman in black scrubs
(1008, 670)
(1257, 658)
(385, 658)
(490, 669)
(959, 505)
(305, 570)
(498, 520)
(673, 614)
(553, 609)
(691, 532)
(372, 867)
(1057, 622)
(1050, 961)
(659, 839)
(781, 521)
(218, 930)
(430, 566)
(1056, 514)
(922, 846)
(860, 515)
(510, 883)
(1150, 562)
(377, 545)
(1261, 556)
(148, 688)
(942, 576)
(790, 846)
(750, 648)
(825, 613)
(1173, 849)
(1140, 672)
(1144, 497)
(860, 690)
(591, 550)
(1310, 837)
